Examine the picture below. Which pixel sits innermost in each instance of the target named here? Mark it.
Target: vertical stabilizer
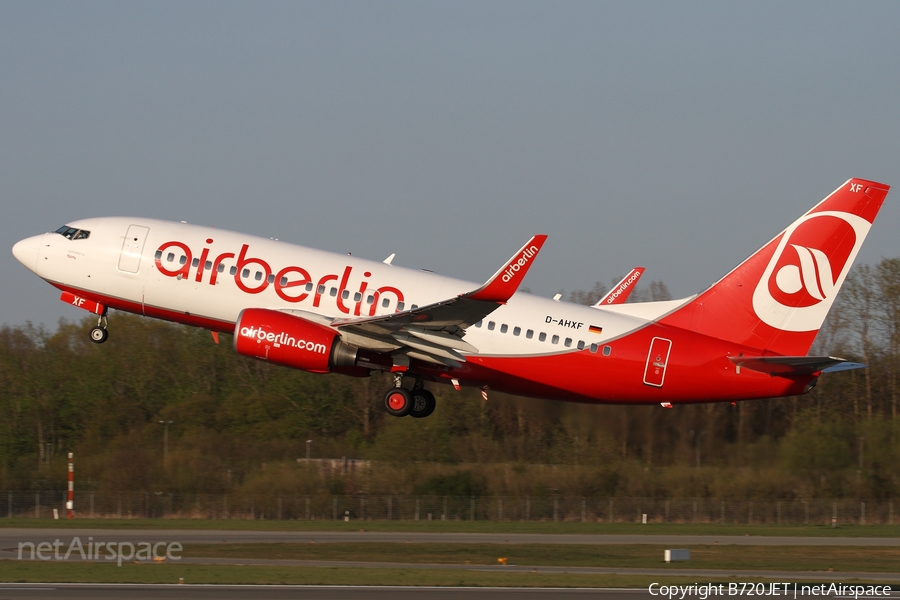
(777, 299)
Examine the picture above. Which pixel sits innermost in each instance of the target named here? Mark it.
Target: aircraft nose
(27, 251)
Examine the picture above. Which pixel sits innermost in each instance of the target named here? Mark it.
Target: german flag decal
(595, 329)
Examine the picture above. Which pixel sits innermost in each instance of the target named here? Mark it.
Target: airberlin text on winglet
(625, 285)
(515, 265)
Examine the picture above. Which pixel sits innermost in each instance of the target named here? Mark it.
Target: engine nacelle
(291, 341)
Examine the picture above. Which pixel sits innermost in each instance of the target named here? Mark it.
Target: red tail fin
(777, 299)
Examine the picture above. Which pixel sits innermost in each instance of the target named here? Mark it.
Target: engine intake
(291, 341)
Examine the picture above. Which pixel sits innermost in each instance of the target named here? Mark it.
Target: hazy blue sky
(678, 136)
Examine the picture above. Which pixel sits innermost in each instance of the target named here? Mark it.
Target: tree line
(240, 424)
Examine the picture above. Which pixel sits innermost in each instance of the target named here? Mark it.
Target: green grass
(467, 527)
(778, 558)
(58, 572)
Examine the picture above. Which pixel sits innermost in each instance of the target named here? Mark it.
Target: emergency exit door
(657, 359)
(132, 248)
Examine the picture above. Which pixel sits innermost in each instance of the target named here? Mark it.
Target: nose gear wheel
(99, 334)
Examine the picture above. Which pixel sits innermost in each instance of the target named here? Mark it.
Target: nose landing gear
(99, 334)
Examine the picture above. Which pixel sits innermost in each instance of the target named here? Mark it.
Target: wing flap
(420, 344)
(442, 339)
(437, 360)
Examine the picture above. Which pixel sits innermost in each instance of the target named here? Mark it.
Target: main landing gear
(417, 402)
(99, 334)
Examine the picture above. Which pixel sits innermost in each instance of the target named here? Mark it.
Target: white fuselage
(213, 274)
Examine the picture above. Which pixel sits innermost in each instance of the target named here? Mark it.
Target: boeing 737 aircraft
(745, 337)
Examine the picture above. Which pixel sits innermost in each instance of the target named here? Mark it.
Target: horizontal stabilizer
(787, 366)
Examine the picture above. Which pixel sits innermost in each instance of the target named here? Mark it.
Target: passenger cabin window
(491, 325)
(568, 342)
(71, 233)
(158, 255)
(232, 271)
(386, 302)
(400, 306)
(245, 273)
(606, 350)
(208, 265)
(542, 337)
(517, 330)
(309, 286)
(195, 262)
(283, 281)
(554, 339)
(581, 344)
(414, 307)
(220, 268)
(170, 257)
(594, 348)
(258, 276)
(345, 294)
(321, 290)
(478, 324)
(332, 292)
(370, 299)
(529, 334)
(504, 328)
(356, 296)
(270, 278)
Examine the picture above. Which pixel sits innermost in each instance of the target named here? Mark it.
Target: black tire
(99, 335)
(398, 402)
(423, 404)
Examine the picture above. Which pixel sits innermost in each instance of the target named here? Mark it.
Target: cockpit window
(73, 234)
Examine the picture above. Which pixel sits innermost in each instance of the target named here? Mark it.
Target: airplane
(746, 337)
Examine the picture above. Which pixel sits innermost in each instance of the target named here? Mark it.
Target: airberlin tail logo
(810, 262)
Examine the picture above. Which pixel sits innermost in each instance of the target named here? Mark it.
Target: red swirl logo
(811, 260)
(808, 268)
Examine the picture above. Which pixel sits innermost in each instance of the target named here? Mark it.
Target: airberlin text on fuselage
(290, 283)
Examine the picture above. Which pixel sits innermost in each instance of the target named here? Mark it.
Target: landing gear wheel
(398, 402)
(99, 335)
(423, 404)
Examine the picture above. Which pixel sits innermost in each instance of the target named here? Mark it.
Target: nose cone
(27, 251)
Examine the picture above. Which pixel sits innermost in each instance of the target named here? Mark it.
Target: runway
(284, 592)
(54, 591)
(703, 574)
(13, 536)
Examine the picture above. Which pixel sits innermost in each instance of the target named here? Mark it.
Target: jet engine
(291, 341)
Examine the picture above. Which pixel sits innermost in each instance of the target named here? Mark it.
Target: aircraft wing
(620, 292)
(434, 332)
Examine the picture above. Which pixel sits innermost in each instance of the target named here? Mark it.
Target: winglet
(619, 292)
(506, 281)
